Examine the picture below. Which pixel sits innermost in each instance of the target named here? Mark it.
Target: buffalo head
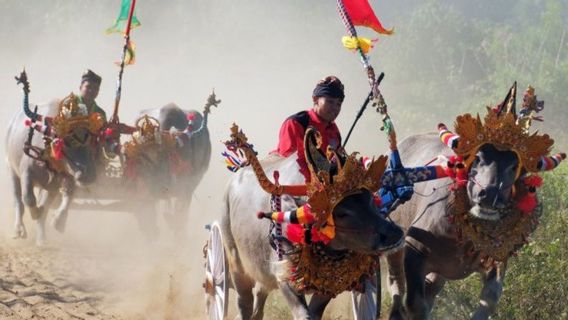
(359, 226)
(491, 180)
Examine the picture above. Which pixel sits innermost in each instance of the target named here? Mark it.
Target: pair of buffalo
(433, 251)
(81, 165)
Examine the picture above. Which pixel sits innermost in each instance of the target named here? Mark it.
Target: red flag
(362, 14)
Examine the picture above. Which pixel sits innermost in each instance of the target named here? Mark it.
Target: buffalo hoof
(20, 232)
(59, 223)
(396, 315)
(41, 242)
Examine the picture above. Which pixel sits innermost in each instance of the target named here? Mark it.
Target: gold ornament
(503, 132)
(493, 241)
(315, 271)
(325, 192)
(148, 139)
(72, 116)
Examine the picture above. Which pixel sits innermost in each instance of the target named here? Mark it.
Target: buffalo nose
(487, 193)
(490, 196)
(391, 235)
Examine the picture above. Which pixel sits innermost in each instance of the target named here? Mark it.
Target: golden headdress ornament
(72, 115)
(148, 136)
(325, 189)
(504, 130)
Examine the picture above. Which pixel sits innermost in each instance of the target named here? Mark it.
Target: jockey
(88, 92)
(327, 98)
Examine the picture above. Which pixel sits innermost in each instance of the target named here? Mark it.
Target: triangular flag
(130, 54)
(121, 21)
(362, 14)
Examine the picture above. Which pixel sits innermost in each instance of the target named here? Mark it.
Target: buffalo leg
(490, 293)
(415, 282)
(45, 199)
(245, 299)
(317, 305)
(434, 284)
(296, 301)
(397, 283)
(19, 228)
(29, 197)
(60, 219)
(260, 295)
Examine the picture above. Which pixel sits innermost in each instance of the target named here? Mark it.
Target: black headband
(90, 76)
(332, 90)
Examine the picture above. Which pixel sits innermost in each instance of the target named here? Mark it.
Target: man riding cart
(322, 231)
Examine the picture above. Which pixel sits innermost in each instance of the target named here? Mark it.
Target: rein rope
(276, 205)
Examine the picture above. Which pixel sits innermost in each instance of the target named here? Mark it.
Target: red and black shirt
(291, 137)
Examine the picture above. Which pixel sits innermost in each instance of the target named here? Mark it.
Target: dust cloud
(263, 59)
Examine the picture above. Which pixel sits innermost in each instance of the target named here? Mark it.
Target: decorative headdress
(496, 241)
(73, 115)
(504, 130)
(148, 134)
(326, 189)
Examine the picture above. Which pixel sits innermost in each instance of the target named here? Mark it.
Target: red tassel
(533, 181)
(378, 201)
(459, 175)
(527, 203)
(57, 149)
(109, 132)
(295, 233)
(450, 173)
(28, 122)
(319, 237)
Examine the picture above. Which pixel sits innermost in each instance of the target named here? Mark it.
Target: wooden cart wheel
(216, 275)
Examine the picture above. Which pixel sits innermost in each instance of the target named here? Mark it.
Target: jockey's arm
(291, 132)
(126, 129)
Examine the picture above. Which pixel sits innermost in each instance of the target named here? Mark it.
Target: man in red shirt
(327, 97)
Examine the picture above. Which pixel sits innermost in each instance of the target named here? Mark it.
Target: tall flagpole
(374, 94)
(114, 119)
(353, 33)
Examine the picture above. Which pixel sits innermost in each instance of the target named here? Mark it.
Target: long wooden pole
(114, 118)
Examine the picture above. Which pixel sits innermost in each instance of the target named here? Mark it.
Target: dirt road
(101, 268)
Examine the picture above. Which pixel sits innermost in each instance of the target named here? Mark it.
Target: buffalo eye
(341, 215)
